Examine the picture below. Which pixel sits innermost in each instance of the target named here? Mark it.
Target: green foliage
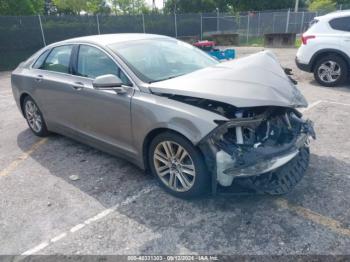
(322, 5)
(21, 7)
(129, 6)
(194, 6)
(256, 5)
(97, 7)
(70, 6)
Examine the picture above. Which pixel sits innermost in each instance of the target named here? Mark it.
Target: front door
(101, 114)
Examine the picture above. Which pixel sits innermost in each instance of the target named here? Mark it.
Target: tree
(21, 7)
(97, 7)
(70, 6)
(194, 6)
(258, 5)
(129, 6)
(322, 5)
(343, 3)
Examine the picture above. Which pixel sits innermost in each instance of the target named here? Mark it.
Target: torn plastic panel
(256, 141)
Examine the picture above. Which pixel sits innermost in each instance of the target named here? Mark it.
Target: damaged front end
(254, 142)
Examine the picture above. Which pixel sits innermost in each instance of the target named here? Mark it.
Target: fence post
(143, 23)
(302, 22)
(248, 25)
(259, 24)
(175, 20)
(201, 26)
(42, 30)
(217, 20)
(287, 23)
(98, 24)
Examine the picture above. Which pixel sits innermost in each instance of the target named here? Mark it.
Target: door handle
(39, 78)
(78, 85)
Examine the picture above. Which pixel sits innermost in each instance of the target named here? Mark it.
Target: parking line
(336, 103)
(89, 221)
(12, 166)
(311, 106)
(317, 218)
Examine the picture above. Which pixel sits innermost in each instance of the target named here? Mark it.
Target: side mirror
(107, 82)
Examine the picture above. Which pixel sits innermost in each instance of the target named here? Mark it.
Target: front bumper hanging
(254, 161)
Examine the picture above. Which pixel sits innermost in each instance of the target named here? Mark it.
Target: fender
(325, 51)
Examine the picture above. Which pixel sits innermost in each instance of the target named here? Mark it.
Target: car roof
(108, 39)
(335, 14)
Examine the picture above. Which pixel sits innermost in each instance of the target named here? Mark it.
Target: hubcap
(33, 116)
(329, 71)
(174, 166)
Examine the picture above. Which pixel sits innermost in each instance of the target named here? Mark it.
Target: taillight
(304, 38)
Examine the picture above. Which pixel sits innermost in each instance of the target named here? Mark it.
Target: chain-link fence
(22, 36)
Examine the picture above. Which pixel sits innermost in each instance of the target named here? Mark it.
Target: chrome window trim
(51, 48)
(134, 85)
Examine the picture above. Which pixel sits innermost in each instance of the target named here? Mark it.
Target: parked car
(172, 109)
(210, 48)
(325, 49)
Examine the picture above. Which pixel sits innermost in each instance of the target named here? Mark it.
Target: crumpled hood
(256, 80)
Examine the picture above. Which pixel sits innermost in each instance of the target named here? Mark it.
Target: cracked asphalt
(115, 208)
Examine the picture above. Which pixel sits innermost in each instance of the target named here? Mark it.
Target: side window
(342, 24)
(93, 62)
(58, 59)
(39, 62)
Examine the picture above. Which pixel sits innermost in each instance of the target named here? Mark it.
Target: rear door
(54, 87)
(101, 114)
(342, 24)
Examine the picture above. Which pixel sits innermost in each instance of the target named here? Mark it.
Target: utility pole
(296, 9)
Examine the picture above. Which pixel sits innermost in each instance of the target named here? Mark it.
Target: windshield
(159, 59)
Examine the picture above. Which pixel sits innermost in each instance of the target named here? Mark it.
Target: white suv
(325, 48)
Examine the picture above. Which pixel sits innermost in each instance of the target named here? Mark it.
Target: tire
(282, 180)
(34, 116)
(160, 162)
(340, 72)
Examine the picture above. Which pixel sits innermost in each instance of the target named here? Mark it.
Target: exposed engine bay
(254, 141)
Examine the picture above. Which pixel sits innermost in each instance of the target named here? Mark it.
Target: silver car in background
(195, 123)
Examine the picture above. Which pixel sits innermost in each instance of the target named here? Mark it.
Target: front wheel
(178, 165)
(331, 71)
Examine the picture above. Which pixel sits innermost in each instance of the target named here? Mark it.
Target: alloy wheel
(33, 116)
(329, 71)
(174, 166)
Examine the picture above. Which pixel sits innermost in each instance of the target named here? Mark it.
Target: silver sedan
(198, 125)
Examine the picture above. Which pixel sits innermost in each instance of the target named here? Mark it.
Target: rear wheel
(282, 180)
(34, 117)
(178, 165)
(331, 71)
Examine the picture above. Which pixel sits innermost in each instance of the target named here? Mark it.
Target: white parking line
(336, 103)
(322, 101)
(311, 106)
(95, 218)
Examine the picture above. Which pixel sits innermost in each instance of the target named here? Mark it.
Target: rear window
(342, 23)
(41, 59)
